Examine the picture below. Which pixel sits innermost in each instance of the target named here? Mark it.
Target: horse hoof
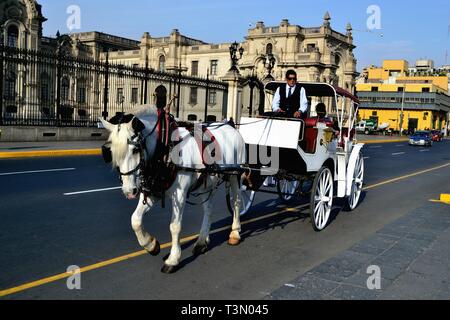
(199, 250)
(169, 269)
(233, 242)
(156, 249)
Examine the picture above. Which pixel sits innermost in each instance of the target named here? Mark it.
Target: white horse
(126, 158)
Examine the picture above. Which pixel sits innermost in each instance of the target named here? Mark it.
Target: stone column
(234, 101)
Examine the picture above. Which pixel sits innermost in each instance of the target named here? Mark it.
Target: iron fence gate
(54, 89)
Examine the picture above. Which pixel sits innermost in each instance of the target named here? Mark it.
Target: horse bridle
(140, 148)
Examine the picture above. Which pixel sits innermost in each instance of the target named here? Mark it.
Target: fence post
(106, 89)
(58, 87)
(1, 79)
(146, 76)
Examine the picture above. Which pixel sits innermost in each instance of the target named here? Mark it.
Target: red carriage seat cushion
(310, 138)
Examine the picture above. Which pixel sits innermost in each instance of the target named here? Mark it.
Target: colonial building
(267, 52)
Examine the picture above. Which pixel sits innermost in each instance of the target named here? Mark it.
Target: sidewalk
(412, 254)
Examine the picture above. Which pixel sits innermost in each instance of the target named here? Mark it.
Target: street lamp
(234, 58)
(269, 63)
(252, 81)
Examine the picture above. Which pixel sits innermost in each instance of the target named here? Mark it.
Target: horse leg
(147, 241)
(235, 238)
(178, 203)
(201, 246)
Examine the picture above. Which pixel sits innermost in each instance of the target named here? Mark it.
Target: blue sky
(409, 29)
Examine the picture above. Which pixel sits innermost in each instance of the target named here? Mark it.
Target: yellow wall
(378, 73)
(393, 116)
(441, 81)
(401, 65)
(414, 87)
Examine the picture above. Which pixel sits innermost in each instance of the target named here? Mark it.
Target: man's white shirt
(303, 107)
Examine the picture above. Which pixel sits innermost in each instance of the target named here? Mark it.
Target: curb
(50, 153)
(383, 141)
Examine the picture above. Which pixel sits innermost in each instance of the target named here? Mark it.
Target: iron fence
(55, 89)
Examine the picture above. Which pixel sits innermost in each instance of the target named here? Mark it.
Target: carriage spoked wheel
(247, 197)
(357, 183)
(287, 188)
(321, 198)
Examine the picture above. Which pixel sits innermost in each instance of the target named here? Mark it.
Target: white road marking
(35, 171)
(400, 145)
(423, 150)
(91, 191)
(373, 147)
(365, 158)
(398, 153)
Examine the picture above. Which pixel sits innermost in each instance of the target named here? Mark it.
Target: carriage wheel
(247, 198)
(321, 198)
(357, 184)
(287, 188)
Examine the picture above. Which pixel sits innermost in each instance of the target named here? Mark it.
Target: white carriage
(319, 157)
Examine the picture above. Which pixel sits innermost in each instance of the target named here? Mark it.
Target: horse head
(126, 150)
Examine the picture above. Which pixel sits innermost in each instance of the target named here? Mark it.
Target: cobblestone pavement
(413, 254)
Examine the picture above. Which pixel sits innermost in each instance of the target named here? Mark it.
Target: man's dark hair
(291, 73)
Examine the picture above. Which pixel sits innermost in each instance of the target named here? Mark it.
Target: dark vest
(292, 104)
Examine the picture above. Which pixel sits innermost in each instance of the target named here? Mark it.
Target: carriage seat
(308, 144)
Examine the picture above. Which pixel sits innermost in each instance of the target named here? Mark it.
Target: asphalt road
(43, 231)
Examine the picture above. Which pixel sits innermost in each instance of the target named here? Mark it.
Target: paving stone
(356, 256)
(417, 286)
(360, 279)
(349, 292)
(335, 269)
(396, 258)
(363, 248)
(305, 288)
(379, 241)
(429, 267)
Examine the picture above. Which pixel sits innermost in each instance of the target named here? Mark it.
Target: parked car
(421, 138)
(437, 135)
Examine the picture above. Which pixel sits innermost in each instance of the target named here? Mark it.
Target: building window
(162, 64)
(374, 89)
(400, 89)
(213, 69)
(212, 97)
(65, 87)
(81, 92)
(120, 98)
(310, 47)
(425, 89)
(193, 96)
(194, 68)
(10, 86)
(134, 95)
(45, 94)
(269, 48)
(192, 117)
(13, 37)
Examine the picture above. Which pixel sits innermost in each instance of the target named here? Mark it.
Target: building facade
(318, 54)
(395, 95)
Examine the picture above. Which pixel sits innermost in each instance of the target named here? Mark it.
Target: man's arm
(276, 101)
(303, 101)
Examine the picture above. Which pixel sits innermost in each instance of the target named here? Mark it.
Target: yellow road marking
(406, 176)
(182, 241)
(445, 197)
(383, 141)
(49, 153)
(128, 256)
(439, 201)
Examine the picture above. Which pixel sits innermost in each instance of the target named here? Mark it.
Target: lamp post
(401, 112)
(179, 91)
(269, 63)
(234, 49)
(1, 72)
(206, 96)
(252, 82)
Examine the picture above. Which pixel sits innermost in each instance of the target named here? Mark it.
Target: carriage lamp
(234, 49)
